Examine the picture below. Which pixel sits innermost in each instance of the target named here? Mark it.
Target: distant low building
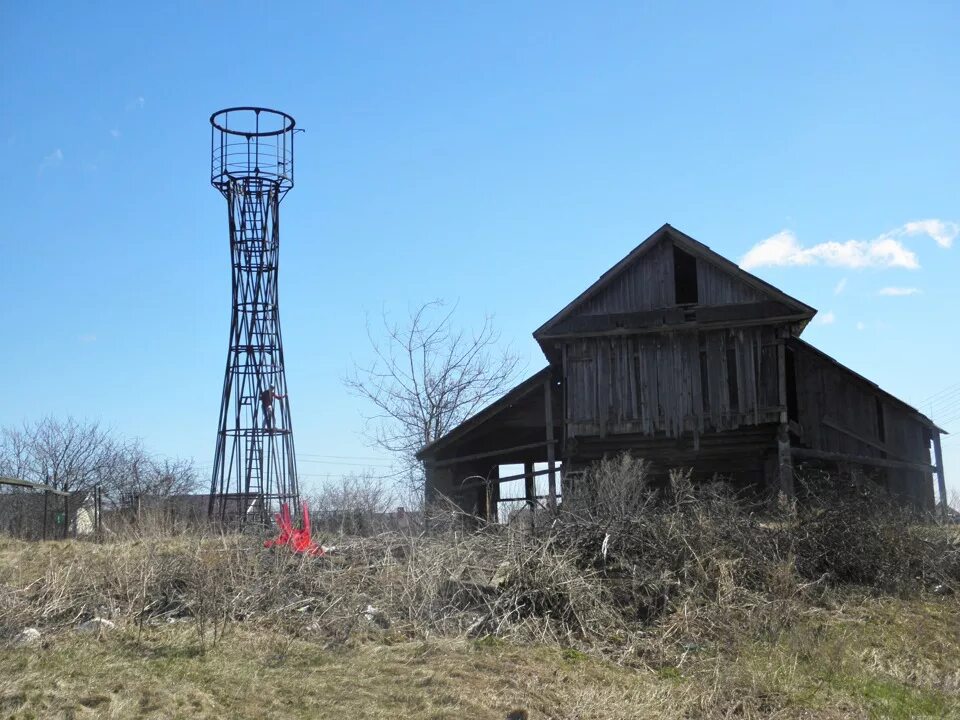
(33, 514)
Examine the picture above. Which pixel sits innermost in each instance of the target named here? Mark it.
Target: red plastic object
(297, 539)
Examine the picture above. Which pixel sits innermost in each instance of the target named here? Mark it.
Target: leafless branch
(426, 377)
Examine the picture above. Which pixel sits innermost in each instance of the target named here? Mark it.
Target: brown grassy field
(688, 606)
(868, 658)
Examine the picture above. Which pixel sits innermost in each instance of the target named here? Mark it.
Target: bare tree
(135, 472)
(353, 504)
(426, 378)
(67, 454)
(73, 455)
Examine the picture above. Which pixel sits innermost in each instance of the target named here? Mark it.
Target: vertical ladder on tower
(254, 472)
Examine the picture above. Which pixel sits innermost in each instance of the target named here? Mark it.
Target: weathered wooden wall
(649, 285)
(840, 412)
(671, 383)
(718, 287)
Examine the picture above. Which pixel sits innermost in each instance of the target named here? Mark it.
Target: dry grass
(667, 603)
(876, 659)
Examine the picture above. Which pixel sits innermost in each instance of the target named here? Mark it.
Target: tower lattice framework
(254, 468)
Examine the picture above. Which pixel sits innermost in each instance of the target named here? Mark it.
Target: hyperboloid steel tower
(254, 468)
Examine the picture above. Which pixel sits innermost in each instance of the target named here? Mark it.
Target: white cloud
(943, 233)
(840, 286)
(783, 249)
(885, 251)
(827, 318)
(899, 291)
(52, 160)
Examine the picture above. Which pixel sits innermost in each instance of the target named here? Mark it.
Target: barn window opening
(684, 277)
(791, 373)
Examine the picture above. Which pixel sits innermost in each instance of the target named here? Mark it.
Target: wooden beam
(551, 451)
(861, 460)
(488, 453)
(518, 499)
(834, 425)
(941, 481)
(494, 481)
(520, 476)
(656, 329)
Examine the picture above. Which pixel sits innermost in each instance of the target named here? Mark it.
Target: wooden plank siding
(840, 413)
(718, 287)
(653, 384)
(647, 285)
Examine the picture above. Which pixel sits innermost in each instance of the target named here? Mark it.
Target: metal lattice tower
(254, 468)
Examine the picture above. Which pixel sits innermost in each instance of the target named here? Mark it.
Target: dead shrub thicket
(619, 562)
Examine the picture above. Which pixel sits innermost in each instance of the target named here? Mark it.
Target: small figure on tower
(266, 401)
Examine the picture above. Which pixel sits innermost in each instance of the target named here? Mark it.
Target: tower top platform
(252, 144)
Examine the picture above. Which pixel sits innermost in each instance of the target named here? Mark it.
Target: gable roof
(668, 233)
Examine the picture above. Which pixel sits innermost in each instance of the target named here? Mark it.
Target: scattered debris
(29, 636)
(377, 617)
(96, 625)
(502, 575)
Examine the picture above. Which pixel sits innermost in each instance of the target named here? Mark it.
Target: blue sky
(497, 155)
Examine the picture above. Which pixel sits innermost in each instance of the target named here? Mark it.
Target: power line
(340, 463)
(341, 457)
(946, 400)
(939, 393)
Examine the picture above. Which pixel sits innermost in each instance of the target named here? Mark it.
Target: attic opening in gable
(684, 277)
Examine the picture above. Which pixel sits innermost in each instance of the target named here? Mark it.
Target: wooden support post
(492, 493)
(530, 491)
(529, 486)
(782, 380)
(941, 481)
(551, 451)
(784, 461)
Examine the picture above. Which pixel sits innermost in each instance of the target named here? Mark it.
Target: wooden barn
(681, 357)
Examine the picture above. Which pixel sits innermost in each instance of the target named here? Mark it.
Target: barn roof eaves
(512, 396)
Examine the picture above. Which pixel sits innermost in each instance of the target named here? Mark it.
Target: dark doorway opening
(684, 277)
